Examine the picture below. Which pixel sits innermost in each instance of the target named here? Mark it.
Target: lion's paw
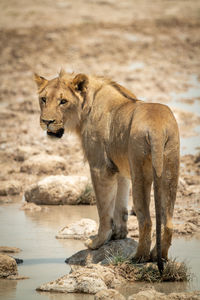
(153, 255)
(137, 259)
(93, 242)
(119, 232)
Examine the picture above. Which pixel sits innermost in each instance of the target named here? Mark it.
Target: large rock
(90, 280)
(5, 249)
(109, 294)
(113, 250)
(80, 230)
(61, 189)
(10, 187)
(8, 266)
(44, 163)
(151, 294)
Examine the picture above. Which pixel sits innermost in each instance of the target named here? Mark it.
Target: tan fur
(123, 138)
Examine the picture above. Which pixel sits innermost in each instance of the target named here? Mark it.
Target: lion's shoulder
(101, 81)
(123, 91)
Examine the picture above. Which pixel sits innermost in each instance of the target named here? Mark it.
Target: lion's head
(60, 101)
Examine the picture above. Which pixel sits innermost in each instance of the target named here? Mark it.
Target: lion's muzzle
(53, 129)
(58, 134)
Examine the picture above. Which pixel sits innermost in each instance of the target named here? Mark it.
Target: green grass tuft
(115, 258)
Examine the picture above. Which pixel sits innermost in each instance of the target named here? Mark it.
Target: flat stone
(17, 277)
(30, 207)
(18, 260)
(151, 294)
(88, 280)
(60, 189)
(109, 294)
(5, 249)
(80, 230)
(44, 164)
(105, 254)
(8, 266)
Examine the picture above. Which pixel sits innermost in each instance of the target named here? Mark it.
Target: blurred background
(150, 47)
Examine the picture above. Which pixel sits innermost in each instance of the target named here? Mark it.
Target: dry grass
(175, 271)
(148, 272)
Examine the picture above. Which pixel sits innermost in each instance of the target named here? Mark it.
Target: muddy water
(44, 256)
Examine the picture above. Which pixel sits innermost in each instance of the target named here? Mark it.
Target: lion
(124, 140)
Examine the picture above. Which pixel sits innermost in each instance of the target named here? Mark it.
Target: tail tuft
(160, 265)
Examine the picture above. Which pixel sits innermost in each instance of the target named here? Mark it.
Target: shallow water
(44, 256)
(189, 101)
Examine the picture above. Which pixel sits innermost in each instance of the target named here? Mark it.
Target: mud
(153, 50)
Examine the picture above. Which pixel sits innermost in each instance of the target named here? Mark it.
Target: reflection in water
(57, 217)
(44, 255)
(166, 287)
(7, 289)
(188, 251)
(60, 296)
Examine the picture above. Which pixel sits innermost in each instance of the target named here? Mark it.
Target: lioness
(123, 138)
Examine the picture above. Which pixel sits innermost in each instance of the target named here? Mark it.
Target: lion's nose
(48, 122)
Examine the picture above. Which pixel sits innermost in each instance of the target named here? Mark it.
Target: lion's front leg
(105, 187)
(121, 212)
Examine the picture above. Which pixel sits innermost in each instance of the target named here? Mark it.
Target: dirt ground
(152, 49)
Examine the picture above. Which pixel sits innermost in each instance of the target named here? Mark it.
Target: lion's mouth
(58, 134)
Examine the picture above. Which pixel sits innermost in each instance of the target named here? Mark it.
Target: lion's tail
(157, 149)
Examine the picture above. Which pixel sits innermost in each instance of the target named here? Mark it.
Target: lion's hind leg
(141, 172)
(168, 197)
(121, 211)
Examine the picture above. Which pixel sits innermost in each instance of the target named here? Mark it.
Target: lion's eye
(44, 99)
(63, 101)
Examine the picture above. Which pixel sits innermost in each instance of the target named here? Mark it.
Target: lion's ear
(40, 80)
(80, 83)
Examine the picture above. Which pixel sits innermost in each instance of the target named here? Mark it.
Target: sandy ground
(152, 49)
